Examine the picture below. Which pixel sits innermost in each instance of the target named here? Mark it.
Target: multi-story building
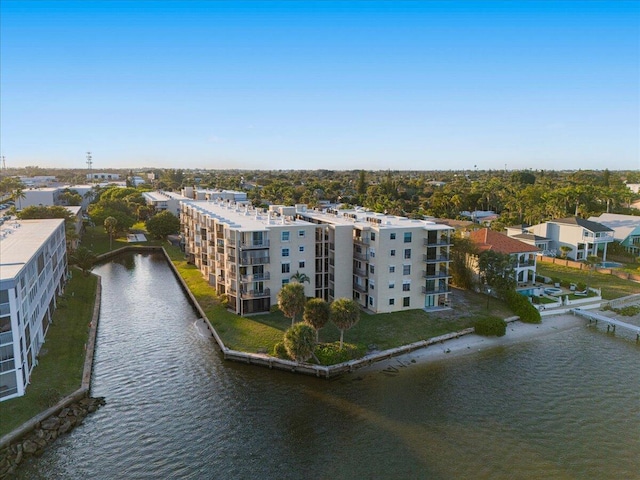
(33, 265)
(162, 201)
(214, 194)
(386, 263)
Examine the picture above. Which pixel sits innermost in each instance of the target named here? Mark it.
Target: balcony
(360, 272)
(361, 256)
(360, 288)
(434, 258)
(361, 241)
(430, 291)
(256, 277)
(443, 242)
(254, 260)
(248, 246)
(231, 258)
(435, 275)
(255, 293)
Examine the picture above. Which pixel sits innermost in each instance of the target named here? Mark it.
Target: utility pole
(89, 164)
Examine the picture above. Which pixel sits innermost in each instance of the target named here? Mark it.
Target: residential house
(583, 237)
(626, 229)
(523, 254)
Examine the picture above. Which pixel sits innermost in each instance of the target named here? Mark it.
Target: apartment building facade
(385, 263)
(33, 267)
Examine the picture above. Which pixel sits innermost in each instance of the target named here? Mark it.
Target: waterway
(566, 406)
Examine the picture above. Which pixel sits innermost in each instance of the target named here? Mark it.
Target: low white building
(161, 201)
(102, 177)
(214, 194)
(33, 266)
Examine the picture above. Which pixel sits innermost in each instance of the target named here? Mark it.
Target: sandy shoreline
(472, 343)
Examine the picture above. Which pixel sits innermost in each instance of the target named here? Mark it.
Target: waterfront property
(523, 255)
(384, 262)
(33, 265)
(626, 229)
(582, 237)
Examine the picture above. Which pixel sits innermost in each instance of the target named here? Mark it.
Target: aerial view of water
(565, 406)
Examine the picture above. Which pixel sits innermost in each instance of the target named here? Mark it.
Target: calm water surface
(565, 406)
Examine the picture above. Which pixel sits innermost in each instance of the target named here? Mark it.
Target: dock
(611, 323)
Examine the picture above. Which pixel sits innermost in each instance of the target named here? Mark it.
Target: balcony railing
(435, 259)
(231, 258)
(256, 277)
(360, 272)
(361, 256)
(442, 242)
(429, 291)
(360, 288)
(250, 245)
(255, 293)
(435, 275)
(254, 260)
(361, 241)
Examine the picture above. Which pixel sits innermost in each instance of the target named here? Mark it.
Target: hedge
(522, 307)
(489, 326)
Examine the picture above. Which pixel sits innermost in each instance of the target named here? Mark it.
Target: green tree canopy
(291, 300)
(497, 270)
(345, 313)
(299, 341)
(163, 224)
(56, 211)
(119, 209)
(316, 313)
(84, 259)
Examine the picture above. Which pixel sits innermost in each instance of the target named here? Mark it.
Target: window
(371, 301)
(392, 268)
(285, 281)
(301, 248)
(406, 269)
(407, 253)
(392, 301)
(392, 284)
(301, 233)
(300, 264)
(372, 253)
(372, 268)
(406, 287)
(392, 236)
(285, 252)
(392, 253)
(286, 268)
(284, 236)
(373, 236)
(407, 237)
(406, 301)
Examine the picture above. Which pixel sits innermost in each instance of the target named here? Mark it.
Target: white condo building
(33, 265)
(386, 263)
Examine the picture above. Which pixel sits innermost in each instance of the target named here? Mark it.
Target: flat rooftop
(20, 240)
(164, 196)
(362, 217)
(243, 217)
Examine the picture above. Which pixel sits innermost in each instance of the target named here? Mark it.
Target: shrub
(540, 279)
(522, 307)
(581, 286)
(555, 280)
(330, 353)
(489, 326)
(279, 351)
(565, 283)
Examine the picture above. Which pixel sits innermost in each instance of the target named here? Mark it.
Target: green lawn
(96, 239)
(61, 359)
(612, 286)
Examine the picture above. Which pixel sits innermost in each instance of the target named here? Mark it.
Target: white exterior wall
(46, 197)
(31, 293)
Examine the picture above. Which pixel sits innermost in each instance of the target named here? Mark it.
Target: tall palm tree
(291, 300)
(111, 226)
(345, 313)
(300, 277)
(316, 314)
(84, 259)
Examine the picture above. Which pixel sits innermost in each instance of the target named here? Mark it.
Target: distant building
(102, 177)
(161, 201)
(33, 265)
(50, 196)
(522, 254)
(634, 187)
(38, 181)
(214, 194)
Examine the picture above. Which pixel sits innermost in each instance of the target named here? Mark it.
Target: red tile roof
(485, 239)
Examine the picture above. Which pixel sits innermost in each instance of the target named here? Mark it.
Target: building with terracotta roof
(523, 254)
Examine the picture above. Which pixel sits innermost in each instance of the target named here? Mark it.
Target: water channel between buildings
(563, 406)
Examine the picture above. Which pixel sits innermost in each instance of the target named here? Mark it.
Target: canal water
(566, 406)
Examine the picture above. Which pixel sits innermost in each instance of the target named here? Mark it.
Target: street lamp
(488, 296)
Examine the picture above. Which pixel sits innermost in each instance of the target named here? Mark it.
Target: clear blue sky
(306, 85)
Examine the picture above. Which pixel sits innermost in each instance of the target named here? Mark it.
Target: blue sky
(306, 85)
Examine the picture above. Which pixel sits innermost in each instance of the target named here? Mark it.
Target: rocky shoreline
(45, 433)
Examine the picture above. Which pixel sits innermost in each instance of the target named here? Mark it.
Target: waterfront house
(626, 229)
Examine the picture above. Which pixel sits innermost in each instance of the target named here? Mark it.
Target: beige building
(386, 263)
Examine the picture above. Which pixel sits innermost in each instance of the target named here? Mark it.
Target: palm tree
(345, 313)
(565, 249)
(291, 300)
(84, 259)
(19, 195)
(111, 226)
(316, 314)
(299, 341)
(300, 277)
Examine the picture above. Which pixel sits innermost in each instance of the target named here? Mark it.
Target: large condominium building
(384, 262)
(33, 264)
(162, 201)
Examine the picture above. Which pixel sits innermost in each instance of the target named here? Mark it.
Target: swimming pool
(610, 265)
